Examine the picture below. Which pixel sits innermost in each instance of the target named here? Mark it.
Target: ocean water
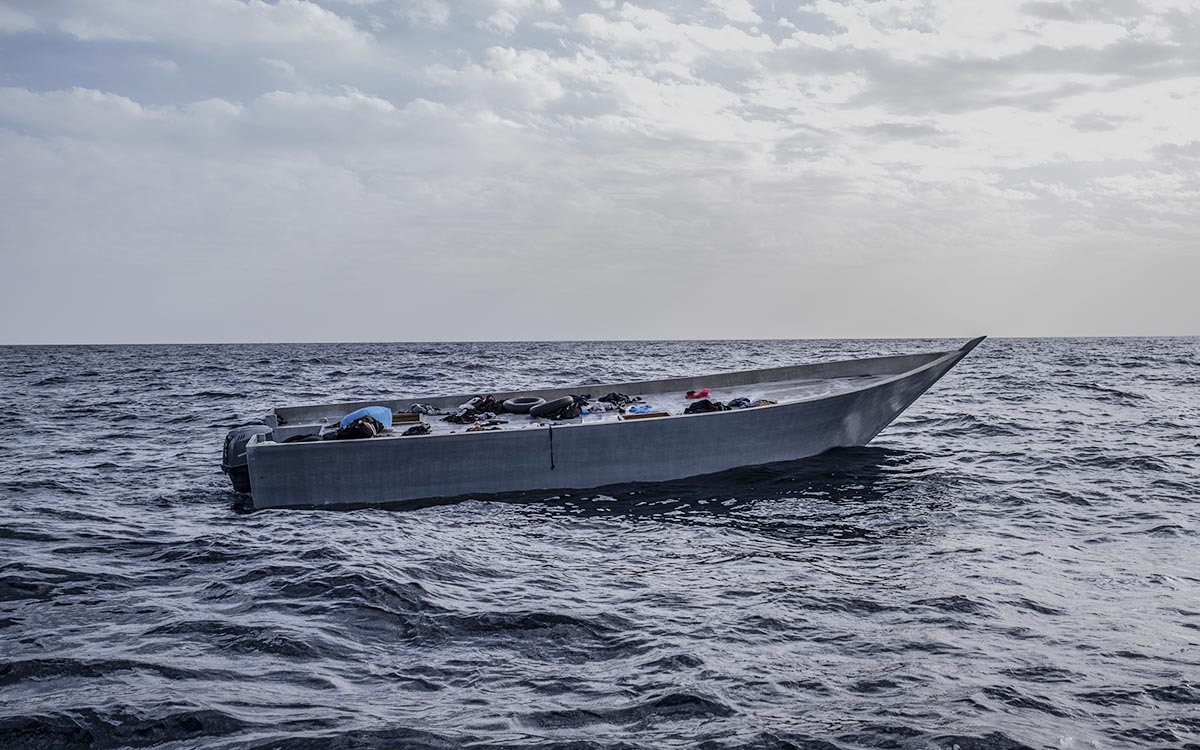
(1014, 563)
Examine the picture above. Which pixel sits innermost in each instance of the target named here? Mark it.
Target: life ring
(549, 407)
(522, 404)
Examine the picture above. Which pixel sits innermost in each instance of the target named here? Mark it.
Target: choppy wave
(1012, 564)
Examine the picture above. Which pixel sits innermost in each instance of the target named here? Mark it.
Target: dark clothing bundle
(478, 408)
(703, 406)
(569, 411)
(364, 427)
(619, 400)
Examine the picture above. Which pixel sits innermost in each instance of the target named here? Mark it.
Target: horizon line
(590, 340)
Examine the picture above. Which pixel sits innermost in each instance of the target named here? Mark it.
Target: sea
(1014, 562)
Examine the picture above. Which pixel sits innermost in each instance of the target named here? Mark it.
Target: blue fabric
(639, 409)
(382, 413)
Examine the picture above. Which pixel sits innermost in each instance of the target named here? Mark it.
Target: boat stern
(234, 458)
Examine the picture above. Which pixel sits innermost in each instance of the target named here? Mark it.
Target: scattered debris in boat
(703, 406)
(424, 409)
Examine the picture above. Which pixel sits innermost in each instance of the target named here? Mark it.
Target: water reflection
(845, 496)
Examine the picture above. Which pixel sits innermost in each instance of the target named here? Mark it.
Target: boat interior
(653, 399)
(643, 406)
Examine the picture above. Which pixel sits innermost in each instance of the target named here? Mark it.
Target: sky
(421, 170)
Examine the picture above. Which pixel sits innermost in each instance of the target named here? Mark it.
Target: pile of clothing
(703, 406)
(478, 409)
(745, 403)
(569, 411)
(365, 426)
(618, 400)
(490, 424)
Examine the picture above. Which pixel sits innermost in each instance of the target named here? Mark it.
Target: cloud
(646, 31)
(1098, 122)
(509, 78)
(903, 130)
(433, 13)
(737, 11)
(163, 65)
(77, 111)
(210, 24)
(753, 169)
(282, 67)
(13, 21)
(502, 21)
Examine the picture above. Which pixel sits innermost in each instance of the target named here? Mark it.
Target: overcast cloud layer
(232, 170)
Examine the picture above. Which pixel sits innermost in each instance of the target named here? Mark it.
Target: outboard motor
(233, 459)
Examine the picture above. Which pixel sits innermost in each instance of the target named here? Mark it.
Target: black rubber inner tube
(522, 404)
(551, 406)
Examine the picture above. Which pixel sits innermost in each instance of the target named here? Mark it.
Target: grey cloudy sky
(239, 170)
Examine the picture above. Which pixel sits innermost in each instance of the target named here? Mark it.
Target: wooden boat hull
(387, 471)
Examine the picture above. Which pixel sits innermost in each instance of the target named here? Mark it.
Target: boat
(789, 413)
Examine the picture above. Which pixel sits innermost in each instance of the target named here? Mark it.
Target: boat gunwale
(939, 358)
